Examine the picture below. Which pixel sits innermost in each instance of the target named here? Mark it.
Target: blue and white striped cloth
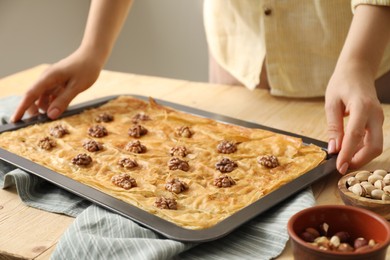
(98, 233)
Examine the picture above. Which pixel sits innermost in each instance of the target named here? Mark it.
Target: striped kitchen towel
(98, 233)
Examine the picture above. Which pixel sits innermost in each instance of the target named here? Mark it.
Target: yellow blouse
(301, 39)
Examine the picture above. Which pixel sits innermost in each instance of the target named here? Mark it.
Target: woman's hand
(353, 95)
(59, 84)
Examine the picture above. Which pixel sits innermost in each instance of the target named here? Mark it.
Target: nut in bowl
(368, 190)
(338, 232)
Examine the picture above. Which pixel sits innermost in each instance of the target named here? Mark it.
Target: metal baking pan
(149, 220)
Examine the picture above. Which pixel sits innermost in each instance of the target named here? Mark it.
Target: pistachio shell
(358, 190)
(368, 187)
(386, 179)
(379, 184)
(362, 175)
(377, 194)
(352, 181)
(380, 172)
(386, 197)
(374, 178)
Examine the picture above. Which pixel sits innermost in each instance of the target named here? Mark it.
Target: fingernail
(53, 113)
(344, 168)
(332, 146)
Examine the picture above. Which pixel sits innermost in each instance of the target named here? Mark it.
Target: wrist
(95, 54)
(355, 68)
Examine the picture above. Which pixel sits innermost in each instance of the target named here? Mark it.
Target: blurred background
(160, 38)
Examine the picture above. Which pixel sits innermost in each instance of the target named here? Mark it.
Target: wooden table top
(33, 234)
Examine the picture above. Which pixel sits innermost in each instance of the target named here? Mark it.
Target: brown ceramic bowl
(357, 222)
(381, 207)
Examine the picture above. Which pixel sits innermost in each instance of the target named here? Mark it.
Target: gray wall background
(160, 38)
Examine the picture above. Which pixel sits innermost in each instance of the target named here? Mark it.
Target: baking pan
(149, 220)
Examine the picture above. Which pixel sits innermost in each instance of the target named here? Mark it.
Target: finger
(43, 102)
(334, 115)
(354, 135)
(33, 110)
(62, 101)
(27, 104)
(47, 98)
(32, 95)
(372, 144)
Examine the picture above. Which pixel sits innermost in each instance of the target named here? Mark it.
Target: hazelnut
(345, 247)
(343, 236)
(360, 242)
(308, 237)
(313, 231)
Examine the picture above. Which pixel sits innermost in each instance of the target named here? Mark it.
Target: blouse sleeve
(355, 3)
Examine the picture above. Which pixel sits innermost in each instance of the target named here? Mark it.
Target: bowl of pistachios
(338, 232)
(367, 189)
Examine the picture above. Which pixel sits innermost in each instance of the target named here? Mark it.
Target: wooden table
(28, 233)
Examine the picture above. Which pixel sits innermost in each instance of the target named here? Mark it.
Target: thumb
(335, 120)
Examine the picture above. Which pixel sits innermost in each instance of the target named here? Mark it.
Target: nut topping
(135, 147)
(97, 131)
(140, 117)
(128, 163)
(269, 161)
(226, 165)
(184, 131)
(137, 131)
(165, 203)
(224, 181)
(226, 147)
(178, 164)
(58, 131)
(124, 181)
(92, 146)
(47, 143)
(82, 160)
(104, 117)
(176, 186)
(178, 151)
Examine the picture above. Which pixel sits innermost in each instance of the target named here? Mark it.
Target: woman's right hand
(59, 85)
(64, 80)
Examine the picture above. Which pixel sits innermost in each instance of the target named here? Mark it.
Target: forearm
(105, 21)
(367, 39)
